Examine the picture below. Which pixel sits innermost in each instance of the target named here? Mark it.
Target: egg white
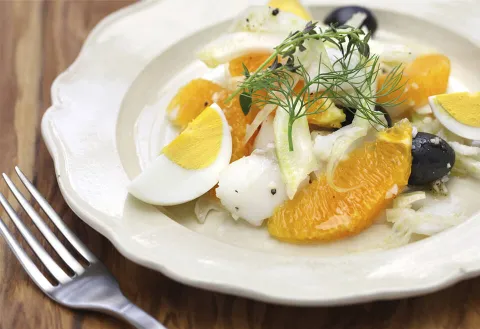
(261, 19)
(230, 46)
(165, 183)
(256, 30)
(451, 123)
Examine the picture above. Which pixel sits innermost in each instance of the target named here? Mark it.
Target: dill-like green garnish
(350, 86)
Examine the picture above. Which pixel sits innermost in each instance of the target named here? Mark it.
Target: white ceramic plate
(106, 122)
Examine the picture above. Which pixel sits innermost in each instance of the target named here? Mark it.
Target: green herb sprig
(346, 85)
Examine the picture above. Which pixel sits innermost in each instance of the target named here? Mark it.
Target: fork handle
(137, 317)
(125, 310)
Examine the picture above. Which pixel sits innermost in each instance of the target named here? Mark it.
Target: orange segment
(379, 170)
(192, 99)
(237, 121)
(251, 61)
(328, 116)
(426, 76)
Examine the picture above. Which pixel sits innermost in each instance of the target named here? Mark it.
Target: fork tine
(47, 233)
(23, 258)
(69, 235)
(49, 263)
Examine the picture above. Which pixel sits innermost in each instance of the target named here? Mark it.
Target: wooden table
(38, 40)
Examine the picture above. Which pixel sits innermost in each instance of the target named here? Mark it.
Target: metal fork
(91, 287)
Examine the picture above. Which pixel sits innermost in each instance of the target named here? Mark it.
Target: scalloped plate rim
(449, 277)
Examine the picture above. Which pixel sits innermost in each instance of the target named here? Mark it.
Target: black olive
(342, 14)
(433, 158)
(350, 114)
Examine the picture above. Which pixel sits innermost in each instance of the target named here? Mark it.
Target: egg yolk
(291, 6)
(199, 144)
(463, 107)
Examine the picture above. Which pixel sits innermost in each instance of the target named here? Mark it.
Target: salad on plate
(315, 130)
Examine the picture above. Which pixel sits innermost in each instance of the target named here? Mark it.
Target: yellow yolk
(199, 144)
(463, 107)
(291, 6)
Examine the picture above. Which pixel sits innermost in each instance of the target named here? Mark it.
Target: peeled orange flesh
(198, 94)
(426, 76)
(327, 114)
(373, 173)
(191, 100)
(251, 61)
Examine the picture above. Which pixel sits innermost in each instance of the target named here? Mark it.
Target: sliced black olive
(433, 158)
(350, 114)
(341, 15)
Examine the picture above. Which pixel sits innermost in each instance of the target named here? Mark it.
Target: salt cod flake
(392, 192)
(357, 19)
(435, 140)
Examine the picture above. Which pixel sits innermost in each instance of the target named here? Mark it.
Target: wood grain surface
(38, 40)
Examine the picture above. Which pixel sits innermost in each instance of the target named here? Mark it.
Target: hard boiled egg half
(459, 113)
(190, 165)
(257, 30)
